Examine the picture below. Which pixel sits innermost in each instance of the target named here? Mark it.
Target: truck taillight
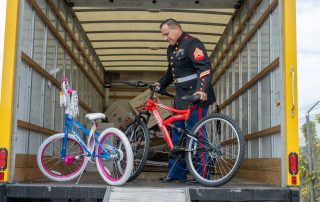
(3, 158)
(293, 163)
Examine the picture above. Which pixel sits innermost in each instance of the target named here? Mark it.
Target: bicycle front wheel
(115, 159)
(216, 151)
(139, 138)
(51, 163)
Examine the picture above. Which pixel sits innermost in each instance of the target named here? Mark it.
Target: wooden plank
(266, 170)
(129, 97)
(262, 133)
(26, 161)
(47, 22)
(26, 168)
(257, 25)
(237, 32)
(27, 60)
(259, 76)
(128, 89)
(36, 128)
(28, 174)
(73, 38)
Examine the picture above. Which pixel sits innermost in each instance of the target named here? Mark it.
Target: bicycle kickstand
(175, 162)
(82, 172)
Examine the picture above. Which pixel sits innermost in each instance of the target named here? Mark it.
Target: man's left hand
(203, 95)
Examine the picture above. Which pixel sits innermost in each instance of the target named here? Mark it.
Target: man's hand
(203, 95)
(156, 86)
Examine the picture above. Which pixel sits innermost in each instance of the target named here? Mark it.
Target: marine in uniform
(190, 69)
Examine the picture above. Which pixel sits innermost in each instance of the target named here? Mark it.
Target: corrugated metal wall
(46, 43)
(247, 76)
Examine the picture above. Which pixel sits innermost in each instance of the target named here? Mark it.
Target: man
(190, 68)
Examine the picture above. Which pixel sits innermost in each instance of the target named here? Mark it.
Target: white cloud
(308, 44)
(308, 48)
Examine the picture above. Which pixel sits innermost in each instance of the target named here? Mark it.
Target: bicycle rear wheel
(216, 151)
(114, 167)
(51, 163)
(139, 138)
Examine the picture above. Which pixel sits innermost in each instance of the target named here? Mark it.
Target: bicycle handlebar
(151, 87)
(66, 87)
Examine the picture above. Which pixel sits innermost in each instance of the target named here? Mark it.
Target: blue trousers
(178, 169)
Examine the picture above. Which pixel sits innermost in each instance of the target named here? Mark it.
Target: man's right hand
(156, 86)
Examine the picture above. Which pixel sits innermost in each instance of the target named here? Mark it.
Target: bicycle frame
(152, 105)
(69, 122)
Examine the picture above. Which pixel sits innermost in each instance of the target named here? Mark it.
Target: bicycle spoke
(218, 150)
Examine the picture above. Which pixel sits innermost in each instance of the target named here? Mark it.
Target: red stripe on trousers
(201, 145)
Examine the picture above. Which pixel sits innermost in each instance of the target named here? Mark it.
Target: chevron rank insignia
(198, 54)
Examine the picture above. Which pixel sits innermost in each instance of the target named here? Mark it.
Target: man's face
(170, 35)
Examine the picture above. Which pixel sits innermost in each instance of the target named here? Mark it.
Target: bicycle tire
(114, 171)
(221, 155)
(138, 135)
(53, 166)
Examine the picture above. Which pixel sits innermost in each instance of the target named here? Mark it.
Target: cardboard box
(138, 103)
(117, 114)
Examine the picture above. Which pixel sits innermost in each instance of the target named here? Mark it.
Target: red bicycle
(215, 144)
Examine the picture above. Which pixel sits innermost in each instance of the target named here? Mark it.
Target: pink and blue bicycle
(64, 156)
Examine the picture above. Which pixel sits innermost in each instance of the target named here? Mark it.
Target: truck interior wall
(49, 39)
(123, 93)
(248, 86)
(246, 80)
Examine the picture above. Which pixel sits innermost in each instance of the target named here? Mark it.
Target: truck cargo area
(98, 44)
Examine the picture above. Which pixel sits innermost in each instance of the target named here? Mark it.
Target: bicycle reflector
(3, 158)
(293, 163)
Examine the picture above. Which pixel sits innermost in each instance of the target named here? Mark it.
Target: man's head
(170, 30)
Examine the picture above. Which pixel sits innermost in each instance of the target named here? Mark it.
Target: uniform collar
(180, 39)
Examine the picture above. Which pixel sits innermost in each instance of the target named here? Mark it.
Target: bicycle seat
(95, 116)
(191, 98)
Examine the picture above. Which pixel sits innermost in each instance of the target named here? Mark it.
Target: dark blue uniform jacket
(188, 57)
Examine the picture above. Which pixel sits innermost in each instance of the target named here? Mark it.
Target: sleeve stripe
(205, 73)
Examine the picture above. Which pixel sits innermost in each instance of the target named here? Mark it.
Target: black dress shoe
(170, 179)
(193, 181)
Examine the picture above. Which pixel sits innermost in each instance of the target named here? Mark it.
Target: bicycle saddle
(95, 116)
(191, 98)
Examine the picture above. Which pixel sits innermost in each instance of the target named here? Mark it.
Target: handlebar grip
(70, 90)
(135, 83)
(164, 92)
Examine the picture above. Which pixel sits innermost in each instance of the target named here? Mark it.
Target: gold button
(176, 48)
(171, 63)
(171, 57)
(201, 84)
(173, 75)
(174, 52)
(200, 88)
(172, 69)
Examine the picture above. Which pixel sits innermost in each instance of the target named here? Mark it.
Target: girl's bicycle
(64, 156)
(213, 149)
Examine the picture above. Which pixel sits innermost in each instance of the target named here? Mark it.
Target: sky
(308, 49)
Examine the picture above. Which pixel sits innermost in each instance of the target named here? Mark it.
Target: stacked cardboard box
(137, 104)
(117, 115)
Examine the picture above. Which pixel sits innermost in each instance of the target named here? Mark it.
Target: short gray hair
(171, 23)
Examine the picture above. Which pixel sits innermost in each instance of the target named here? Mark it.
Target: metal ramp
(153, 194)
